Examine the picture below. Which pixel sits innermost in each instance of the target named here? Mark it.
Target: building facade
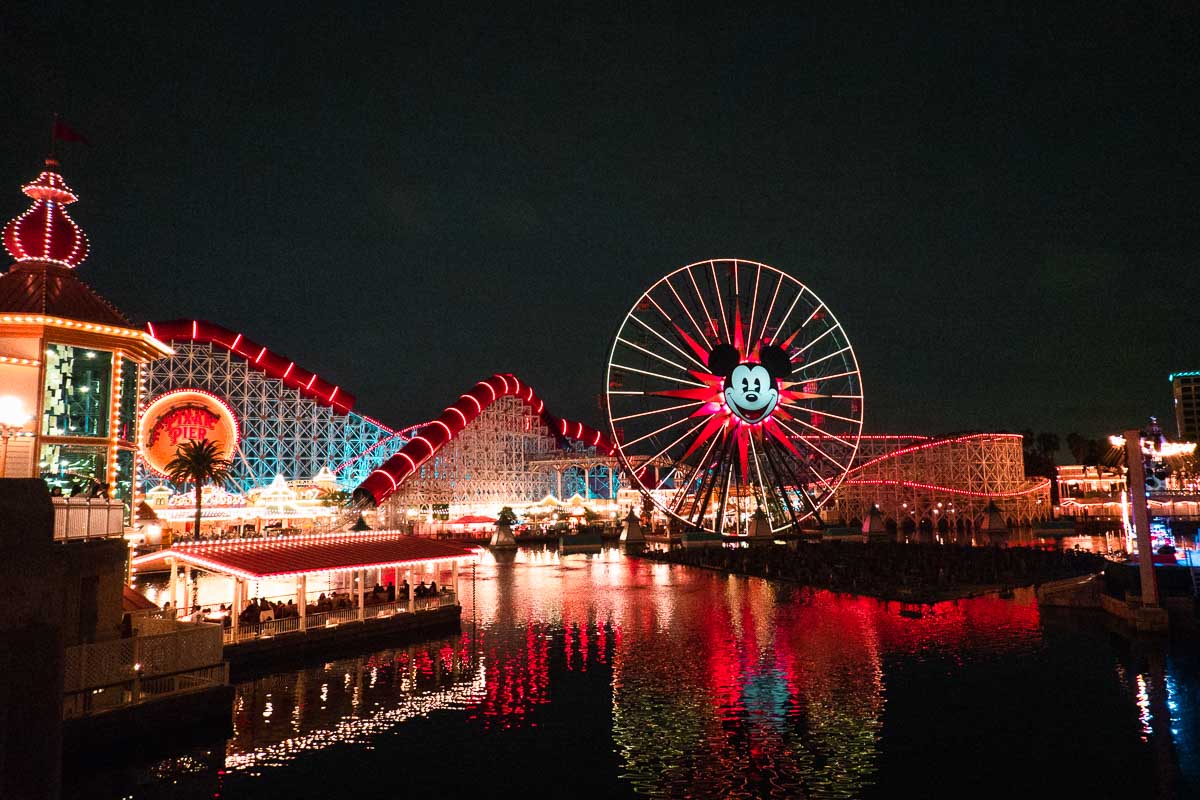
(1185, 391)
(70, 363)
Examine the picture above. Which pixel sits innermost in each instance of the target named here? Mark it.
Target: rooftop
(304, 555)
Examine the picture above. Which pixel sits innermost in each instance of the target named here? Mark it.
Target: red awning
(471, 519)
(304, 555)
(133, 600)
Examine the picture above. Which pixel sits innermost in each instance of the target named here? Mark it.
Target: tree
(335, 498)
(506, 517)
(198, 462)
(1078, 445)
(1048, 444)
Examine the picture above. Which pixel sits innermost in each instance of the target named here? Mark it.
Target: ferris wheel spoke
(813, 315)
(767, 317)
(820, 378)
(682, 490)
(806, 347)
(689, 432)
(823, 413)
(796, 435)
(685, 308)
(652, 354)
(665, 340)
(753, 306)
(663, 429)
(787, 314)
(699, 296)
(667, 378)
(720, 301)
(657, 411)
(803, 367)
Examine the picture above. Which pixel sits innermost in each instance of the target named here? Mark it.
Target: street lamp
(12, 420)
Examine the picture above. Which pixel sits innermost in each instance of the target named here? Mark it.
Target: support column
(236, 609)
(362, 577)
(302, 600)
(559, 473)
(455, 580)
(173, 591)
(612, 482)
(1141, 516)
(412, 594)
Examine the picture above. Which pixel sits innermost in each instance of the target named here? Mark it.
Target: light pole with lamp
(13, 420)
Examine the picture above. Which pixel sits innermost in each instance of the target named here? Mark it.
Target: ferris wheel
(734, 398)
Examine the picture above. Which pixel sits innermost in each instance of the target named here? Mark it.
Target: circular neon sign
(185, 415)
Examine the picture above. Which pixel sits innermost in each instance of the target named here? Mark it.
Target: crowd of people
(262, 609)
(893, 570)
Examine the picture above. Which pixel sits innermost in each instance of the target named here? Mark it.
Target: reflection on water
(628, 677)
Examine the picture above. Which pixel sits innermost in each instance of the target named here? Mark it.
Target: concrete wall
(31, 645)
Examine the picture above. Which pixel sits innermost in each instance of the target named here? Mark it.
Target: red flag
(66, 133)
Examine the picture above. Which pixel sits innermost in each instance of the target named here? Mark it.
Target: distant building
(1185, 387)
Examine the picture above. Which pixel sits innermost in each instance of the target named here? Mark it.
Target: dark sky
(1000, 207)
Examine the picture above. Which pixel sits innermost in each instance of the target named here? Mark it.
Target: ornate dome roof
(45, 232)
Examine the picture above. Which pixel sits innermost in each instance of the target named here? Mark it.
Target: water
(596, 675)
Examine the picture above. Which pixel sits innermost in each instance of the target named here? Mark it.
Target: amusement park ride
(743, 381)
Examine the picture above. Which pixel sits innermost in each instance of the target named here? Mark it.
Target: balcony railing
(177, 658)
(331, 619)
(79, 518)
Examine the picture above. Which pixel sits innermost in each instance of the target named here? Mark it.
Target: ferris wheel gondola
(734, 397)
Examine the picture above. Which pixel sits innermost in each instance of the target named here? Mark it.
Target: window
(127, 419)
(78, 384)
(73, 467)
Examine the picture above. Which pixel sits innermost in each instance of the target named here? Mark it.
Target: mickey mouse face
(750, 392)
(750, 389)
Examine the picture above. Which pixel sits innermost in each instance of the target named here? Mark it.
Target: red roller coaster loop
(436, 434)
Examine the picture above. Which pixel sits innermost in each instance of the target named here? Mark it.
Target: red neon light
(265, 360)
(378, 490)
(947, 489)
(935, 443)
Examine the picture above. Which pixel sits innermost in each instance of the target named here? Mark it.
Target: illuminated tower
(1185, 389)
(69, 361)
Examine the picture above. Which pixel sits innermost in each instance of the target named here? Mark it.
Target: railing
(121, 672)
(79, 518)
(331, 619)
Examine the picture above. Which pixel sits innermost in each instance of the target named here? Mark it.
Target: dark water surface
(601, 676)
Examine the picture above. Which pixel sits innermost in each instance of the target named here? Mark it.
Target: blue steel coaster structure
(286, 429)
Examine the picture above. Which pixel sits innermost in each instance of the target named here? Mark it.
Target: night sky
(1001, 208)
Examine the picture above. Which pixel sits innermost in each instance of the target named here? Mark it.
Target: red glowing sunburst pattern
(726, 422)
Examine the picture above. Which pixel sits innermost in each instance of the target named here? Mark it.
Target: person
(126, 627)
(265, 612)
(433, 590)
(391, 592)
(56, 492)
(226, 617)
(404, 590)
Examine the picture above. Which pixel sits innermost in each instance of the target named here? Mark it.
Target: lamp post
(13, 419)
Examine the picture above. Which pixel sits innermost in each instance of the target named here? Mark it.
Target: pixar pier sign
(185, 415)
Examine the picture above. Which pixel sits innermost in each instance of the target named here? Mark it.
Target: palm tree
(198, 462)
